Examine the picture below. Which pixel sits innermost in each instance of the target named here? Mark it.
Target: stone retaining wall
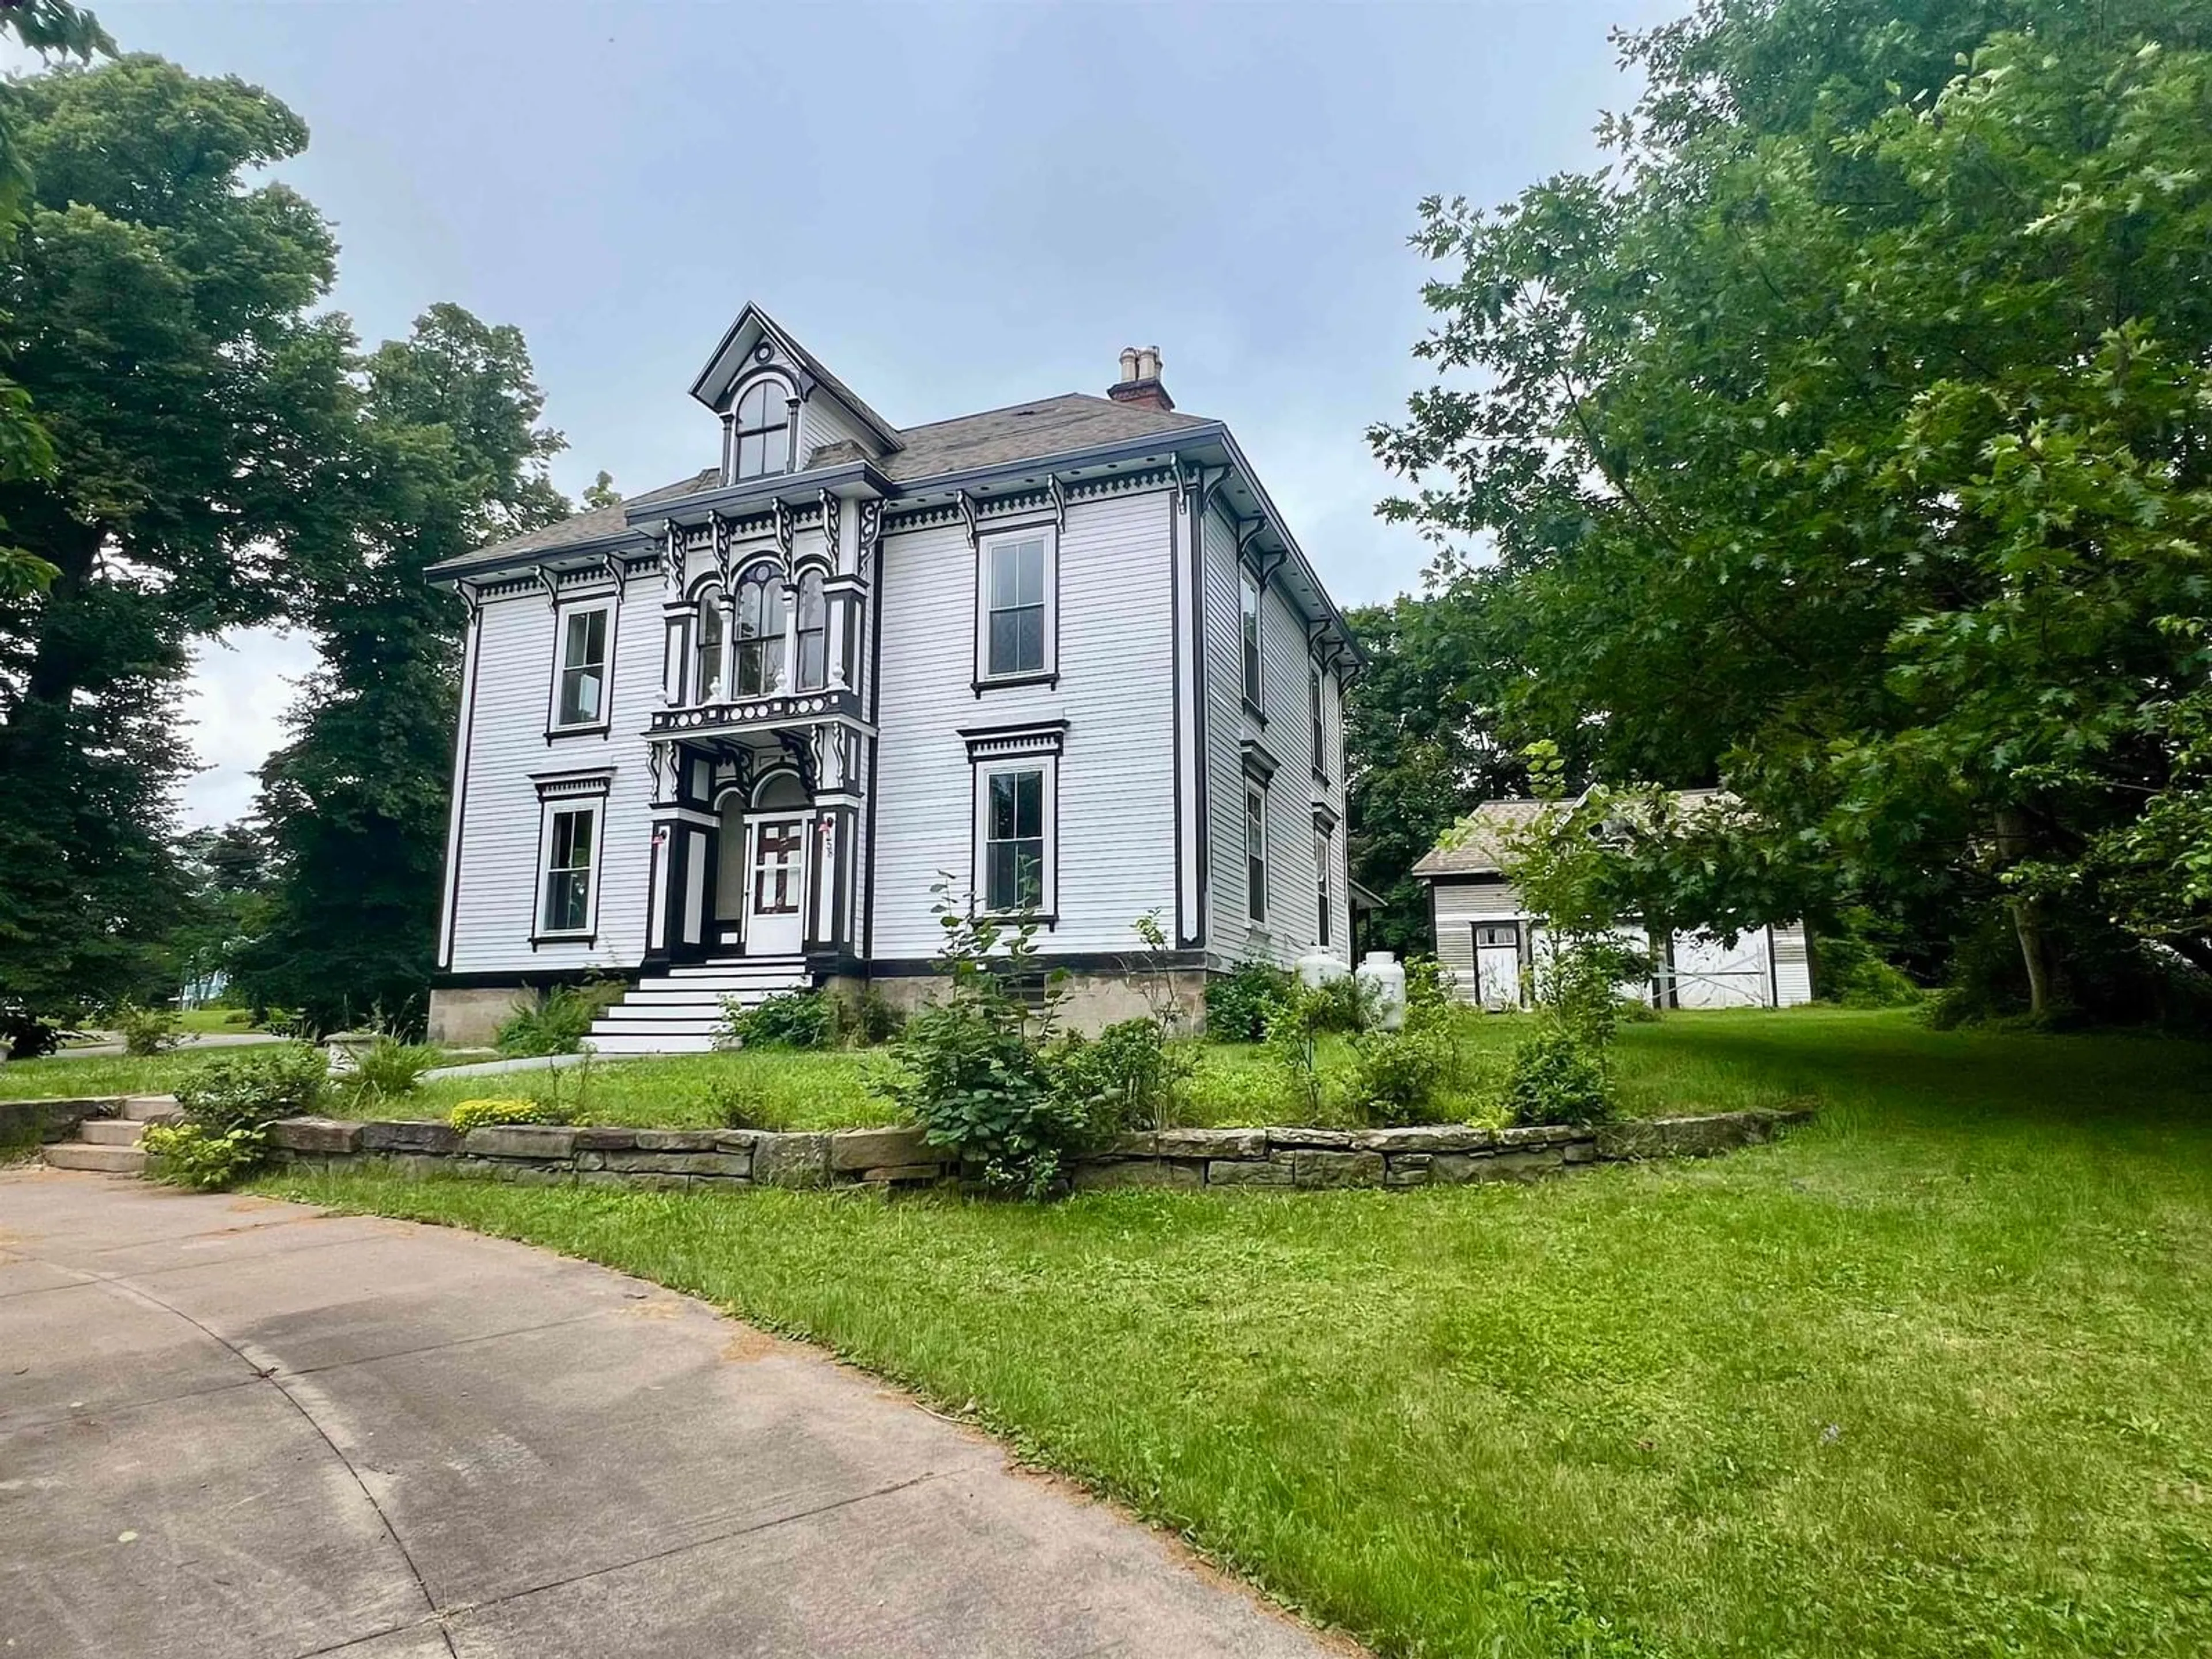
(27, 1123)
(543, 1155)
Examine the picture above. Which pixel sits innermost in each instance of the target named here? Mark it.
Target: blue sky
(956, 207)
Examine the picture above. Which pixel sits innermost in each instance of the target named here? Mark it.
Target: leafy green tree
(1849, 437)
(158, 308)
(227, 871)
(1423, 740)
(601, 491)
(448, 455)
(56, 31)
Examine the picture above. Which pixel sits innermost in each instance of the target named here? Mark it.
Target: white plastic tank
(1318, 968)
(1385, 980)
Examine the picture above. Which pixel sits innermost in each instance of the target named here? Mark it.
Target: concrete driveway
(233, 1426)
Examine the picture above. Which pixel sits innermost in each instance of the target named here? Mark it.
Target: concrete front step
(150, 1109)
(106, 1160)
(111, 1131)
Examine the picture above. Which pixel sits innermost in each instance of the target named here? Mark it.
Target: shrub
(389, 1068)
(1428, 988)
(1557, 1077)
(27, 1035)
(254, 1087)
(790, 1019)
(868, 1019)
(1239, 1004)
(226, 1108)
(1346, 1004)
(1126, 1077)
(1397, 1076)
(1296, 1022)
(189, 1155)
(149, 1031)
(970, 1069)
(556, 1024)
(484, 1113)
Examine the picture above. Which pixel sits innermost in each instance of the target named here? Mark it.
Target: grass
(1932, 1377)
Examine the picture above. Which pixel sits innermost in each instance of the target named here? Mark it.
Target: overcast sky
(956, 207)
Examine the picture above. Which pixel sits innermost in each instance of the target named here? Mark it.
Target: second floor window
(760, 437)
(760, 635)
(1315, 706)
(1015, 607)
(1250, 626)
(580, 697)
(813, 632)
(707, 676)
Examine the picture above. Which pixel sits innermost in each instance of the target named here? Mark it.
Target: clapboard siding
(1115, 855)
(820, 422)
(494, 896)
(1477, 900)
(1293, 922)
(1227, 933)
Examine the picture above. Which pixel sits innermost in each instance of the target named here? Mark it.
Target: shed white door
(774, 926)
(1711, 975)
(1497, 963)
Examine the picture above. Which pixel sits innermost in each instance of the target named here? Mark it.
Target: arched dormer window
(760, 432)
(760, 633)
(707, 674)
(813, 632)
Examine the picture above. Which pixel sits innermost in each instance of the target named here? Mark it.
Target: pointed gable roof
(755, 327)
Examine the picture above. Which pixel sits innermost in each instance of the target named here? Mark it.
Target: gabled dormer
(781, 410)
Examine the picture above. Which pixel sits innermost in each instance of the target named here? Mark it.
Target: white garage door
(1708, 973)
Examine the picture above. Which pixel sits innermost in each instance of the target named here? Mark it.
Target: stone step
(150, 1109)
(107, 1160)
(109, 1131)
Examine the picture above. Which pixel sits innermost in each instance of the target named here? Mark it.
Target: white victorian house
(723, 738)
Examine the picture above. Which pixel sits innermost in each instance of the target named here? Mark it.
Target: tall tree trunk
(2013, 841)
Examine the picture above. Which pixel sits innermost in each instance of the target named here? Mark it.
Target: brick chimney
(1141, 379)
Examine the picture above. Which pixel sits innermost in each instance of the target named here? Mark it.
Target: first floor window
(580, 697)
(1013, 840)
(1014, 606)
(1256, 854)
(1320, 884)
(571, 840)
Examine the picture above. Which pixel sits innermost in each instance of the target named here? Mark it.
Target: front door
(774, 926)
(1497, 963)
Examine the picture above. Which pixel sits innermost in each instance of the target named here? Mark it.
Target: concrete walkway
(234, 1426)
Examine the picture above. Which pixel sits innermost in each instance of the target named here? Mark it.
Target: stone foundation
(469, 1017)
(1308, 1159)
(1090, 1001)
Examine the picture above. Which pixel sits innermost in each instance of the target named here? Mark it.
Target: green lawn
(1234, 1085)
(1932, 1377)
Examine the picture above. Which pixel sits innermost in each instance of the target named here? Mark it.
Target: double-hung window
(760, 635)
(1317, 716)
(760, 433)
(1016, 625)
(572, 836)
(1014, 811)
(707, 674)
(1320, 886)
(1255, 853)
(1249, 621)
(580, 689)
(813, 632)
